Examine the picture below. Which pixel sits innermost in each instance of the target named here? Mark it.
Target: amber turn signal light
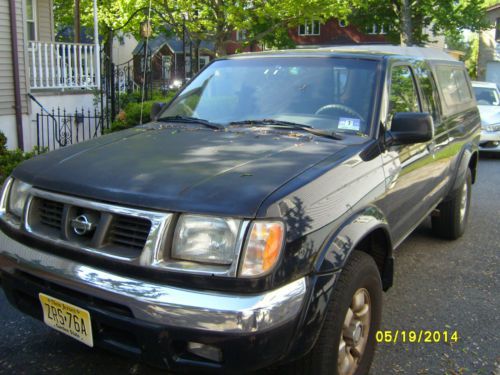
(262, 248)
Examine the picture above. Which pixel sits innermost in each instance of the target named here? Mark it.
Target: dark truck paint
(334, 196)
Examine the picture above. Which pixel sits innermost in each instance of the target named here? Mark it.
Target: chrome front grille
(123, 233)
(51, 213)
(131, 232)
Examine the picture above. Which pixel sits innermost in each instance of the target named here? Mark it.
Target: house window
(241, 35)
(204, 60)
(31, 19)
(310, 27)
(342, 23)
(497, 30)
(377, 30)
(166, 63)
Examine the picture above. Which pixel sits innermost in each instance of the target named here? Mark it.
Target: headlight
(206, 239)
(17, 198)
(492, 128)
(262, 248)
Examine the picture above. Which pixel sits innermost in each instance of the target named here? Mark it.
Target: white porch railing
(62, 65)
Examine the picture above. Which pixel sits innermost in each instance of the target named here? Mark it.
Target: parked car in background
(252, 223)
(488, 103)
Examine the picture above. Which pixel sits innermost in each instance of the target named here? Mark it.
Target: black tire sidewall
(360, 272)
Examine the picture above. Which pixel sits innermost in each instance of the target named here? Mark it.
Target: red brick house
(313, 33)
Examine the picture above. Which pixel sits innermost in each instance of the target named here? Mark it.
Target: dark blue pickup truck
(251, 224)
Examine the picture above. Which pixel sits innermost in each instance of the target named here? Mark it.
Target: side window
(403, 95)
(463, 87)
(454, 86)
(428, 87)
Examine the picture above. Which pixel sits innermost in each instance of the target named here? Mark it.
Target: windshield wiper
(191, 120)
(289, 125)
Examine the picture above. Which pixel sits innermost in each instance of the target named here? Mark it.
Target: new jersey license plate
(67, 318)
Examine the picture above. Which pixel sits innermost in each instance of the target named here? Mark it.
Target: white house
(63, 75)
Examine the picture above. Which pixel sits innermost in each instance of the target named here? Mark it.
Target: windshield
(487, 96)
(333, 94)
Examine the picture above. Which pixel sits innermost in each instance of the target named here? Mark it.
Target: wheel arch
(468, 159)
(473, 165)
(366, 231)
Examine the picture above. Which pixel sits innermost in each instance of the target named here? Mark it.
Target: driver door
(407, 168)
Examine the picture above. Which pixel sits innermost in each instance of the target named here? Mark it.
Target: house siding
(45, 21)
(489, 51)
(6, 72)
(331, 33)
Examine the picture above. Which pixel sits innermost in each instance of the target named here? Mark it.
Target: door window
(403, 95)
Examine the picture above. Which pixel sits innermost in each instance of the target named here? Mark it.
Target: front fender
(344, 240)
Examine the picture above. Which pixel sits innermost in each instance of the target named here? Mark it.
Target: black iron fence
(59, 128)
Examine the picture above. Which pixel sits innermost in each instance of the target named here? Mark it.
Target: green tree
(206, 20)
(408, 21)
(470, 48)
(217, 19)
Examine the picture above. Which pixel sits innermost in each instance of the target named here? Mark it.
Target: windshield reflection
(333, 94)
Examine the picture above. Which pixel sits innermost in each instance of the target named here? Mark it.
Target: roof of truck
(374, 51)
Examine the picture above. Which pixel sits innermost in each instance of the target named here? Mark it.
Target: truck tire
(453, 215)
(352, 320)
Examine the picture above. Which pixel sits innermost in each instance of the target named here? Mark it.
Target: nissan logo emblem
(81, 225)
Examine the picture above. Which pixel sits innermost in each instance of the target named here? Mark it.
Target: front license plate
(67, 318)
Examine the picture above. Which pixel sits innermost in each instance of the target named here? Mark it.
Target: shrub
(130, 114)
(136, 97)
(10, 159)
(3, 143)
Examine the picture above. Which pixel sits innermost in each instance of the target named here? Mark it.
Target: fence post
(113, 91)
(38, 132)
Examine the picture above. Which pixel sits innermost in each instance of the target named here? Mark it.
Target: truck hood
(180, 168)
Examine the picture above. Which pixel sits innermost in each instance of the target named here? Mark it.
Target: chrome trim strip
(158, 303)
(11, 220)
(4, 194)
(98, 206)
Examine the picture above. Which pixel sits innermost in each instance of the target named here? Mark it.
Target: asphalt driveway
(439, 285)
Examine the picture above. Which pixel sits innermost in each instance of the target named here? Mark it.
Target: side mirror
(410, 127)
(156, 108)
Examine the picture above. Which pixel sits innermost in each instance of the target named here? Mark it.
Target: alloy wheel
(355, 333)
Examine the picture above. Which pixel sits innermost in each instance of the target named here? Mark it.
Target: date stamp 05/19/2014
(416, 336)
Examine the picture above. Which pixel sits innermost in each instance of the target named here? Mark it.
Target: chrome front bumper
(158, 303)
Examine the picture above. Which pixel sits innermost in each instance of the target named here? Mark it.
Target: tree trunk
(197, 43)
(220, 45)
(406, 24)
(76, 26)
